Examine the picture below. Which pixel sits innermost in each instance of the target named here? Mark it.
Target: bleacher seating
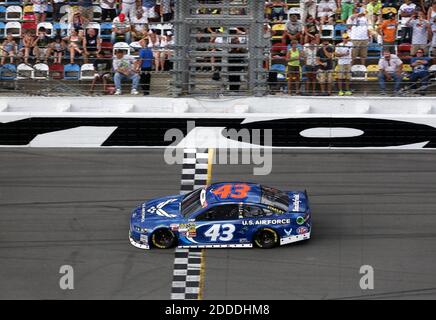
(18, 16)
(25, 72)
(14, 28)
(56, 71)
(72, 72)
(40, 71)
(87, 71)
(14, 13)
(8, 72)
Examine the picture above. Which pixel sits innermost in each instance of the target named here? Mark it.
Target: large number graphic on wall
(288, 132)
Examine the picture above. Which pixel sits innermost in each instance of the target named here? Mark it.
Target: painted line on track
(189, 264)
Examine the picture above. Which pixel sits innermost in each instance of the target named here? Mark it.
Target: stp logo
(302, 230)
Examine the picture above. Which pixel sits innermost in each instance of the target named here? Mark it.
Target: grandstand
(224, 47)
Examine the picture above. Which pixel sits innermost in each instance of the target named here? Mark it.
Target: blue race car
(222, 215)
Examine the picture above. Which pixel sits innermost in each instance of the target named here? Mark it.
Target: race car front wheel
(266, 238)
(163, 239)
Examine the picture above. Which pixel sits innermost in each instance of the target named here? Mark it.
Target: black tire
(266, 238)
(163, 239)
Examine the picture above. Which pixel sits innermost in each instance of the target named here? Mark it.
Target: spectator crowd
(323, 46)
(318, 43)
(61, 35)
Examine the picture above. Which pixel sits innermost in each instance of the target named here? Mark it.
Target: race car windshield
(275, 198)
(191, 203)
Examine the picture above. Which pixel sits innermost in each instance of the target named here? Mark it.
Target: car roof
(248, 192)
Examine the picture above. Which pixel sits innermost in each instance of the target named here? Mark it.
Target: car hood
(159, 209)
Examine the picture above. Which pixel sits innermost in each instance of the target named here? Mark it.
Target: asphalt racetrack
(71, 207)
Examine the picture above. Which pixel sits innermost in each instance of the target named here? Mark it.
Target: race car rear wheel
(163, 239)
(266, 238)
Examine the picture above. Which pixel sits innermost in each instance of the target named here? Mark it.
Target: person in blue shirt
(420, 66)
(146, 60)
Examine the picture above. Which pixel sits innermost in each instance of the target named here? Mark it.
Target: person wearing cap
(344, 54)
(121, 28)
(125, 68)
(388, 30)
(391, 68)
(359, 34)
(325, 67)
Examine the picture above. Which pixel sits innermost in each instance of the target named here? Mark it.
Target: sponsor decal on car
(143, 238)
(265, 221)
(300, 220)
(143, 213)
(174, 227)
(158, 209)
(192, 231)
(276, 210)
(302, 230)
(296, 202)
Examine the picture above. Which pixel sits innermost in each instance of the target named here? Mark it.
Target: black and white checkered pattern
(188, 262)
(194, 170)
(187, 274)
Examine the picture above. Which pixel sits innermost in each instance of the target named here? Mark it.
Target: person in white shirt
(310, 64)
(40, 10)
(121, 28)
(391, 68)
(359, 34)
(125, 68)
(326, 10)
(420, 32)
(406, 11)
(344, 53)
(139, 25)
(128, 7)
(308, 8)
